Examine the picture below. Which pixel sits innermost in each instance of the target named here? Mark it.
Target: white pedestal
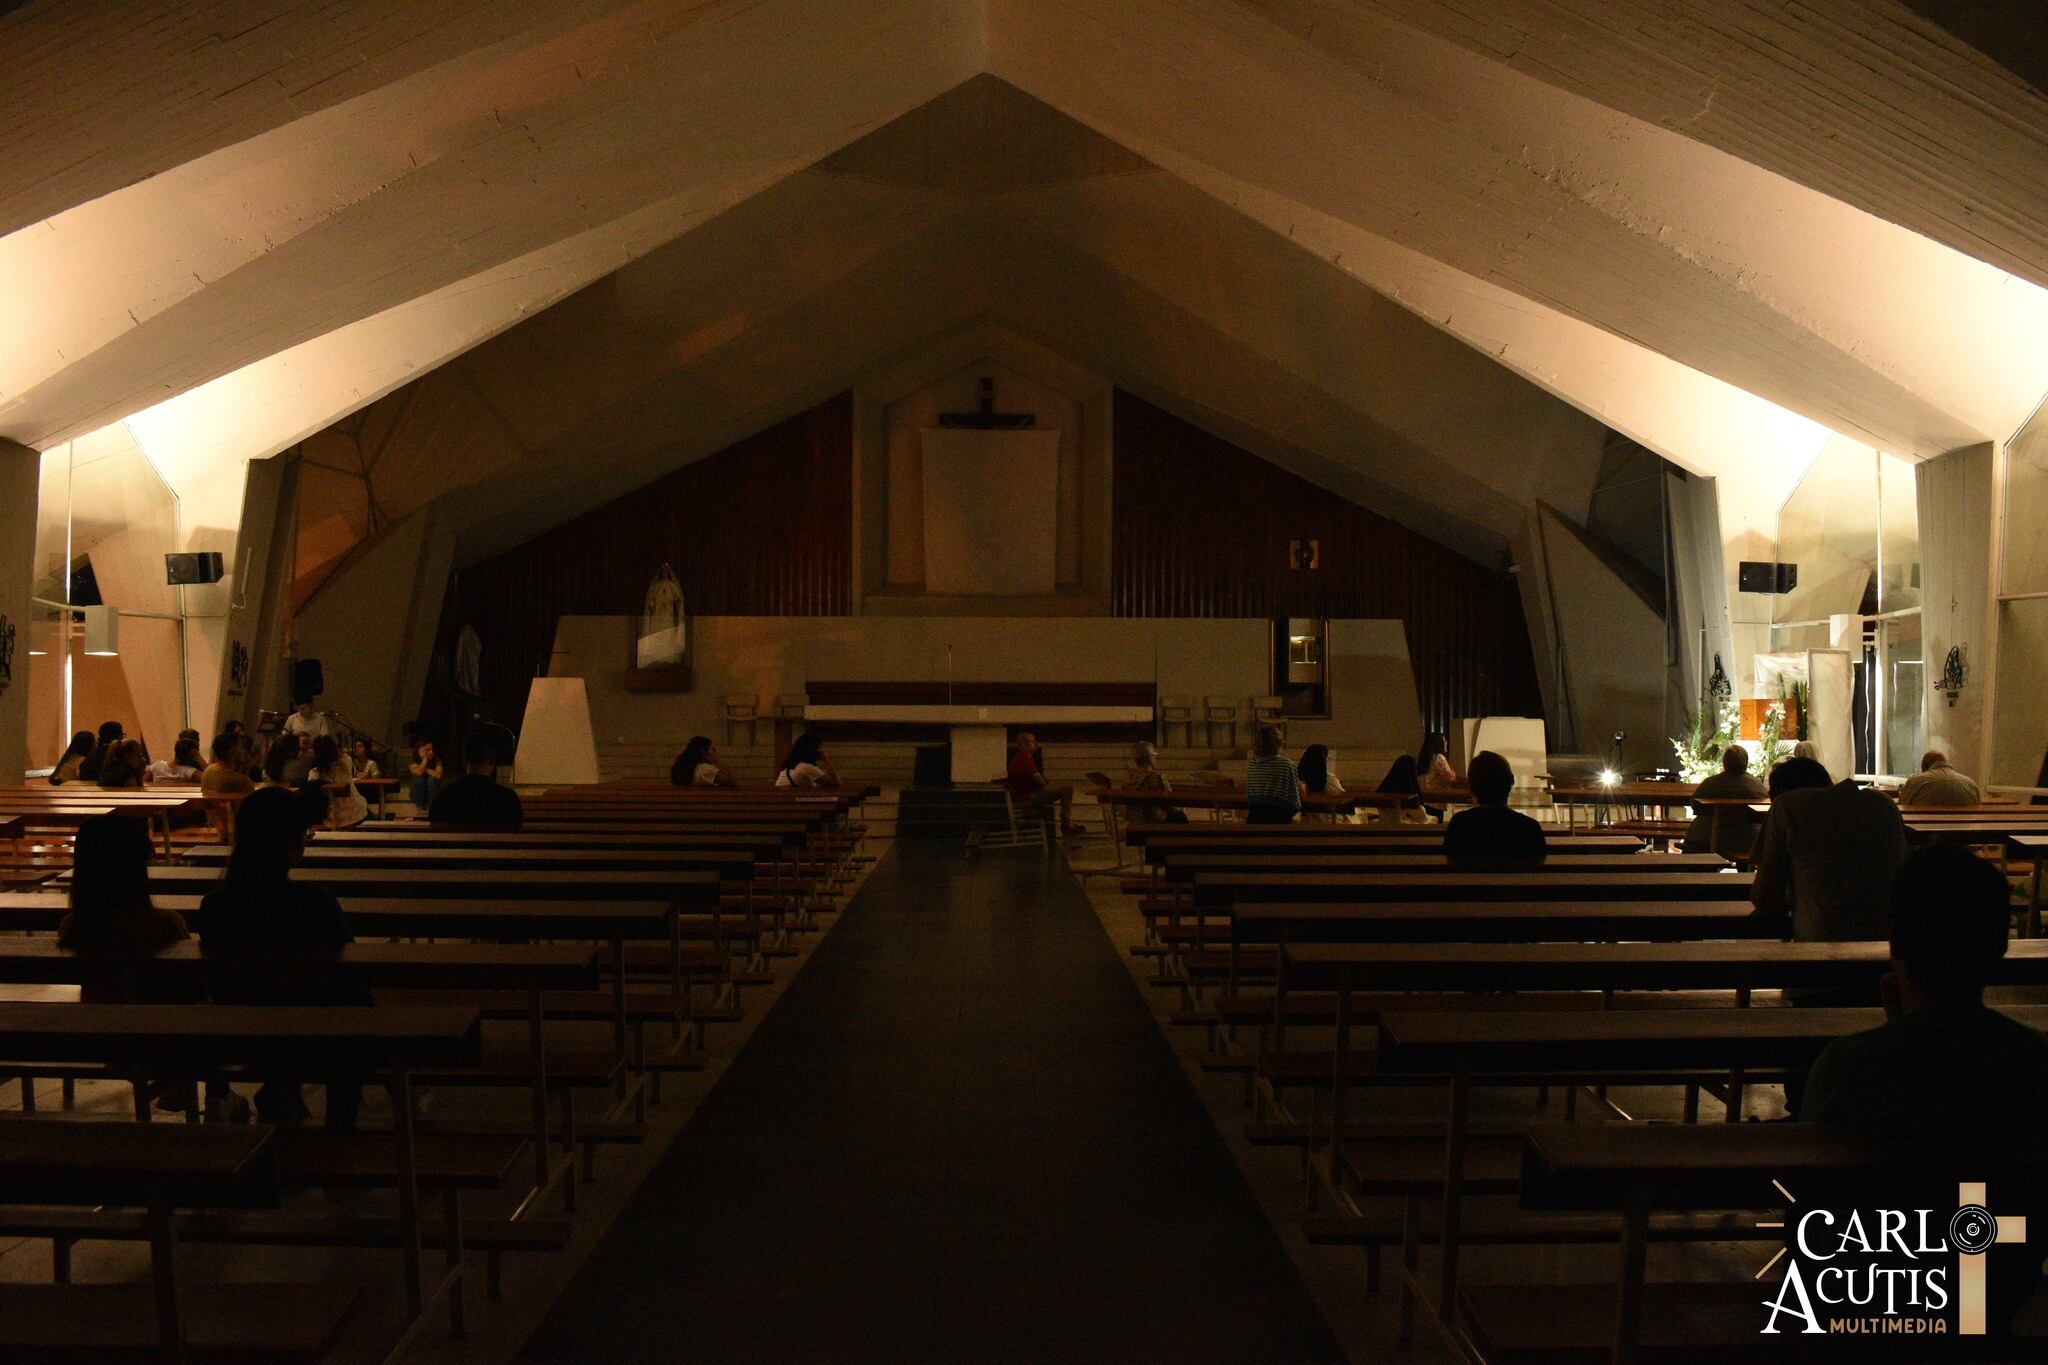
(980, 752)
(556, 747)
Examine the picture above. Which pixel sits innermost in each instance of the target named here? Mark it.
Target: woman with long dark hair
(1433, 764)
(113, 922)
(807, 765)
(285, 763)
(1402, 779)
(260, 913)
(698, 766)
(74, 754)
(117, 931)
(334, 774)
(1319, 778)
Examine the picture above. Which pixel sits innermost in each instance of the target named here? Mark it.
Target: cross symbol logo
(1973, 1232)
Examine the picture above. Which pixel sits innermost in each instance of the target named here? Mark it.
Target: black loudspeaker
(204, 567)
(307, 681)
(1756, 575)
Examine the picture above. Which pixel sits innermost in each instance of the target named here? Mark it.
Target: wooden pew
(159, 1168)
(1633, 1171)
(1223, 889)
(1526, 1048)
(61, 810)
(532, 970)
(196, 1041)
(612, 922)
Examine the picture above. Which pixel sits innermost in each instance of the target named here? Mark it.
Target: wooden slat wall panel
(763, 528)
(1201, 527)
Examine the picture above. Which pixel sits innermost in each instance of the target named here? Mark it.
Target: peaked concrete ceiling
(1422, 246)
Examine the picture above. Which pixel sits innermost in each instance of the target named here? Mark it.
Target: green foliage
(1713, 730)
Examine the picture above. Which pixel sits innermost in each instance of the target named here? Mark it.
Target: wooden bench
(432, 973)
(158, 1169)
(1517, 1048)
(198, 1041)
(612, 922)
(1632, 1172)
(1562, 884)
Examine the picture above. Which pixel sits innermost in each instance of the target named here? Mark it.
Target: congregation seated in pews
(534, 960)
(1361, 978)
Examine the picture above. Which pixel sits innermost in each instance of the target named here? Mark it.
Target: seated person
(1034, 797)
(110, 735)
(1272, 784)
(1402, 779)
(427, 775)
(1489, 834)
(286, 764)
(1946, 1070)
(260, 912)
(364, 758)
(1144, 776)
(72, 758)
(1318, 770)
(126, 762)
(1433, 767)
(332, 768)
(112, 921)
(476, 797)
(1727, 830)
(1937, 784)
(182, 766)
(117, 930)
(807, 765)
(226, 776)
(1825, 860)
(698, 766)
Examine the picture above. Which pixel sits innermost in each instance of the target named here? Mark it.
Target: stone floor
(960, 1136)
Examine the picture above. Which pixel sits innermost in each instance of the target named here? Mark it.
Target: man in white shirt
(306, 723)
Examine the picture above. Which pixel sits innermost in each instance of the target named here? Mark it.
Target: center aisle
(959, 1136)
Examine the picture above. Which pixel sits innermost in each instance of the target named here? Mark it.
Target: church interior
(1041, 680)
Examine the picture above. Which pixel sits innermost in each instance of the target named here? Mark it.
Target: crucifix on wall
(985, 417)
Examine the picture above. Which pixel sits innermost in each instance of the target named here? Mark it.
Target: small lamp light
(1609, 777)
(102, 631)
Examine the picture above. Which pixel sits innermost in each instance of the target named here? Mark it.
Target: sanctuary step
(950, 815)
(888, 765)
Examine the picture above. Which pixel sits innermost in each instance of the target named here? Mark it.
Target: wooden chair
(1221, 710)
(1267, 711)
(1030, 834)
(1177, 711)
(789, 706)
(741, 709)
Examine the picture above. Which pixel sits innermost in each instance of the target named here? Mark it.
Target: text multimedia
(1869, 1260)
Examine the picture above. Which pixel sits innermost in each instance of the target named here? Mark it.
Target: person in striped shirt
(1272, 786)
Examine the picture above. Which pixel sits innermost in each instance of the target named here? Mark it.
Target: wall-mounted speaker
(307, 680)
(204, 567)
(1756, 575)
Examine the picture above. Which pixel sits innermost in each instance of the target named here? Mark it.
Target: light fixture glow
(1609, 777)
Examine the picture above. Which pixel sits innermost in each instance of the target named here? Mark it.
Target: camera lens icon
(1973, 1230)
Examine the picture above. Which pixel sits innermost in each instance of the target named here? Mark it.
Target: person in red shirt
(1032, 793)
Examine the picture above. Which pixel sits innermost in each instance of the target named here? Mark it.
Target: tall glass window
(1852, 528)
(105, 520)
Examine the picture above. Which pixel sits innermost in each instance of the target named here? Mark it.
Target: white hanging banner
(1830, 697)
(664, 624)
